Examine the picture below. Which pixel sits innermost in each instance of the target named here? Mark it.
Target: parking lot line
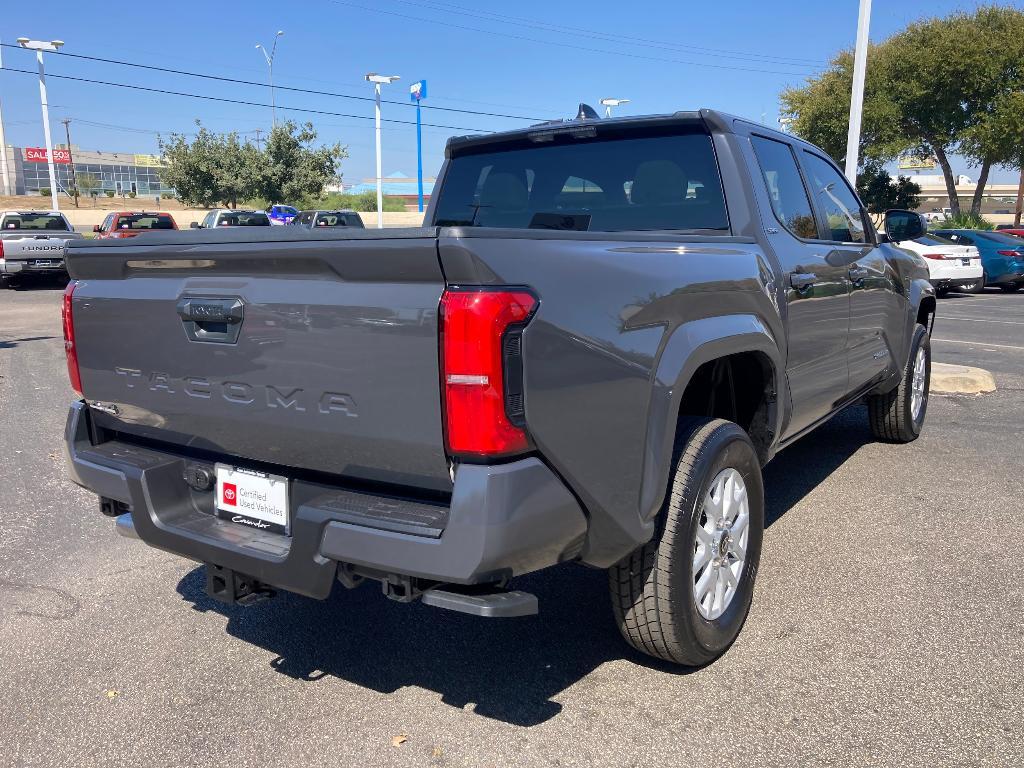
(980, 344)
(980, 320)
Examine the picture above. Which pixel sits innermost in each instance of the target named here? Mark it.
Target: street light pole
(6, 186)
(71, 160)
(270, 68)
(39, 46)
(418, 92)
(860, 64)
(378, 81)
(607, 103)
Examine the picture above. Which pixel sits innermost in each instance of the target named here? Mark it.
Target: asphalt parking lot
(886, 628)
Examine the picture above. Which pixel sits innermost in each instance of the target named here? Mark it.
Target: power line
(240, 101)
(564, 45)
(447, 7)
(237, 81)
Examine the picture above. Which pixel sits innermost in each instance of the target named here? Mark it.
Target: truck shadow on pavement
(509, 670)
(12, 343)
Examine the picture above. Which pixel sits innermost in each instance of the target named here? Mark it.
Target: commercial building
(117, 172)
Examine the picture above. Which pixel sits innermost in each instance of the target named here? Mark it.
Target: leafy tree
(933, 90)
(880, 192)
(291, 169)
(88, 183)
(212, 168)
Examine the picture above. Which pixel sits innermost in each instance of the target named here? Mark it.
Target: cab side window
(844, 219)
(785, 187)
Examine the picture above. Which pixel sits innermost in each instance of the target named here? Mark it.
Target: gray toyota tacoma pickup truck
(606, 330)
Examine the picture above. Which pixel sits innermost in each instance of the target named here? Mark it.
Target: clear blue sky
(535, 59)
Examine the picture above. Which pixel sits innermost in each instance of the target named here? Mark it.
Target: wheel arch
(690, 349)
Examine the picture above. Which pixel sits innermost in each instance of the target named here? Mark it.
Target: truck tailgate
(322, 354)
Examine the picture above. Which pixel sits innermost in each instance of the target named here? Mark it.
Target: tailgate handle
(217, 320)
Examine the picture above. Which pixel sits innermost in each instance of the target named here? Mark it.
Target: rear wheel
(977, 287)
(898, 415)
(683, 596)
(1011, 287)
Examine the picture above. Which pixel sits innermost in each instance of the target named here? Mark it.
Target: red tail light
(481, 369)
(1011, 254)
(67, 320)
(1, 249)
(938, 256)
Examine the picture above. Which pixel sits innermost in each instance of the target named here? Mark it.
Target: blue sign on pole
(417, 93)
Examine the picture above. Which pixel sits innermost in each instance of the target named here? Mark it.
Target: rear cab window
(145, 221)
(654, 180)
(36, 221)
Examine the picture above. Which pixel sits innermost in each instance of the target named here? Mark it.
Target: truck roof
(31, 213)
(720, 122)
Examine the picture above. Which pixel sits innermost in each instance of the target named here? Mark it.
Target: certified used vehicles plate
(965, 262)
(255, 499)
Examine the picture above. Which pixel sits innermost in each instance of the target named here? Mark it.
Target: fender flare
(918, 290)
(690, 346)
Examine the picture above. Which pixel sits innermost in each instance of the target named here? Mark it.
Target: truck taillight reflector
(67, 320)
(475, 368)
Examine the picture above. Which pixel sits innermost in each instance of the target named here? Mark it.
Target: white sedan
(951, 267)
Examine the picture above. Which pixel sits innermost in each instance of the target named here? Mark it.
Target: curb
(961, 379)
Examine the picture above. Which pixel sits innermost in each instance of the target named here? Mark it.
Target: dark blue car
(281, 214)
(1002, 256)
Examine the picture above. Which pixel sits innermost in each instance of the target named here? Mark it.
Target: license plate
(254, 499)
(45, 263)
(965, 262)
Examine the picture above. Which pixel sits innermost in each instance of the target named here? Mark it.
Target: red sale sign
(38, 155)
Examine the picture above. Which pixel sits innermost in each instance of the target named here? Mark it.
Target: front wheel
(898, 415)
(683, 596)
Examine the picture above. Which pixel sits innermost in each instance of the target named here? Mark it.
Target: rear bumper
(953, 283)
(1012, 276)
(18, 267)
(502, 521)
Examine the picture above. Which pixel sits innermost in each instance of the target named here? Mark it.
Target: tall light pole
(378, 81)
(6, 185)
(609, 103)
(860, 65)
(39, 46)
(270, 66)
(418, 92)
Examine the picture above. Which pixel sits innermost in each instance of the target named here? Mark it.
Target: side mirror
(904, 225)
(194, 225)
(97, 228)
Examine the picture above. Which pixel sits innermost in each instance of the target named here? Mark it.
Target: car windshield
(562, 181)
(244, 219)
(284, 210)
(36, 221)
(1001, 238)
(145, 221)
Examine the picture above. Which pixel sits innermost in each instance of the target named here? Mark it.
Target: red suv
(133, 223)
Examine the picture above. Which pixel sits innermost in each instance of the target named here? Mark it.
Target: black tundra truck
(605, 331)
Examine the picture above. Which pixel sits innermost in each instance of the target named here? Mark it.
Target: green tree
(294, 170)
(87, 183)
(930, 91)
(210, 169)
(880, 192)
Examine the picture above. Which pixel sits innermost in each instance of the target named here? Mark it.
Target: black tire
(978, 287)
(652, 589)
(941, 293)
(1010, 287)
(891, 413)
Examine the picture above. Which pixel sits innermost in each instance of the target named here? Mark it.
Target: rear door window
(654, 182)
(786, 189)
(838, 205)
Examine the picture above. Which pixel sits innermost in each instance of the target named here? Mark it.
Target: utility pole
(270, 67)
(39, 46)
(6, 185)
(259, 146)
(1020, 200)
(71, 160)
(860, 64)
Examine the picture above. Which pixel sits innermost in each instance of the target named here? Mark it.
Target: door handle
(802, 281)
(858, 274)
